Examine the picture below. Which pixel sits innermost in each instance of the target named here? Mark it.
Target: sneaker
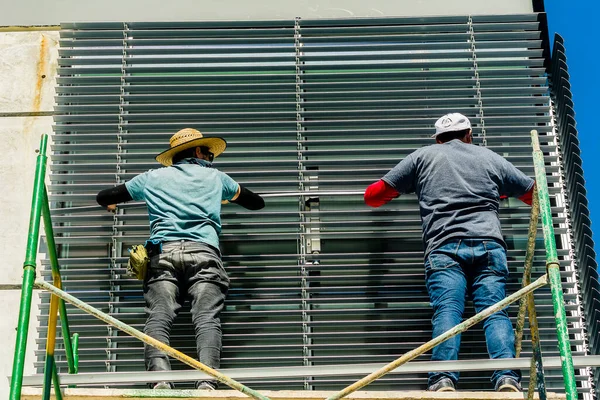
(163, 385)
(508, 384)
(204, 385)
(442, 385)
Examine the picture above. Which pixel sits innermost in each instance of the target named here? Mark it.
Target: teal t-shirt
(184, 200)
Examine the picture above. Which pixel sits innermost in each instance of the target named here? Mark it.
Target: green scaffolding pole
(29, 266)
(40, 208)
(57, 306)
(553, 268)
(70, 348)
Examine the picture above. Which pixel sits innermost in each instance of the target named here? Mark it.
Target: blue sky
(577, 22)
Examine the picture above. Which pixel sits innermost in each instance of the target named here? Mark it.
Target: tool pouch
(138, 262)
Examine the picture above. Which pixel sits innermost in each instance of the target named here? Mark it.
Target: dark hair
(448, 136)
(187, 153)
(190, 153)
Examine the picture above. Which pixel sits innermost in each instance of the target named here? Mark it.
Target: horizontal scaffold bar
(103, 378)
(144, 394)
(127, 206)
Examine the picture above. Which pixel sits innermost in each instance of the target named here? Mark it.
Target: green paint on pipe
(52, 254)
(29, 265)
(49, 368)
(49, 371)
(553, 269)
(75, 344)
(56, 381)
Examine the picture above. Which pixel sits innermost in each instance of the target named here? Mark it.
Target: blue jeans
(185, 269)
(476, 267)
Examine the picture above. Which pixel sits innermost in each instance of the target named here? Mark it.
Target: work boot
(163, 385)
(508, 384)
(206, 385)
(159, 364)
(442, 385)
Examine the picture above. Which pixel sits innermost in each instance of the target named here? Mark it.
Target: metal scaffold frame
(40, 210)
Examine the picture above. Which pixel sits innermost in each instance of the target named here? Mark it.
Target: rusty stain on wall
(41, 74)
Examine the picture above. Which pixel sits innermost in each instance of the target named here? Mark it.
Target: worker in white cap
(459, 186)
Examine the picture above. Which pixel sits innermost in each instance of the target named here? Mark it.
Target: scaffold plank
(139, 394)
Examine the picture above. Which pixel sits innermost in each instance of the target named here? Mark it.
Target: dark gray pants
(185, 269)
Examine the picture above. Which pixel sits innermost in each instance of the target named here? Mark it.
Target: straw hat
(186, 139)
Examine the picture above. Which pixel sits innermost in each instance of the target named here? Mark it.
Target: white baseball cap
(450, 123)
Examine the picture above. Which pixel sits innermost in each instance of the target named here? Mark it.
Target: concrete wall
(41, 12)
(27, 69)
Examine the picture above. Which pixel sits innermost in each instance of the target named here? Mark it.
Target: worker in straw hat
(184, 204)
(459, 187)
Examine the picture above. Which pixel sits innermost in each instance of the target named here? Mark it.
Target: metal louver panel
(306, 106)
(580, 223)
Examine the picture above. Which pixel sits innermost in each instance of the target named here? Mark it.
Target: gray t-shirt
(459, 187)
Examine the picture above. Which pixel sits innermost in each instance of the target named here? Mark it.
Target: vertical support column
(313, 248)
(29, 266)
(116, 245)
(553, 268)
(477, 81)
(303, 238)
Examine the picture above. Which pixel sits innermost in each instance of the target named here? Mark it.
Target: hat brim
(453, 130)
(216, 145)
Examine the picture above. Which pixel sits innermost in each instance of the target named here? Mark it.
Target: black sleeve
(249, 199)
(114, 195)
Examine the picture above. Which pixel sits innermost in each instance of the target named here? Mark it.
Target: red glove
(380, 193)
(527, 198)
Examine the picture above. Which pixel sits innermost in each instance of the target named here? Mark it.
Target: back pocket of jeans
(496, 255)
(439, 261)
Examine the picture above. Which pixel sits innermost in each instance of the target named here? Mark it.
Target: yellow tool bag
(138, 261)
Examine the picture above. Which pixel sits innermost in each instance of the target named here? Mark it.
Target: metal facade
(580, 223)
(317, 109)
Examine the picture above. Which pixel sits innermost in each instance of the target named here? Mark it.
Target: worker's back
(459, 187)
(184, 200)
